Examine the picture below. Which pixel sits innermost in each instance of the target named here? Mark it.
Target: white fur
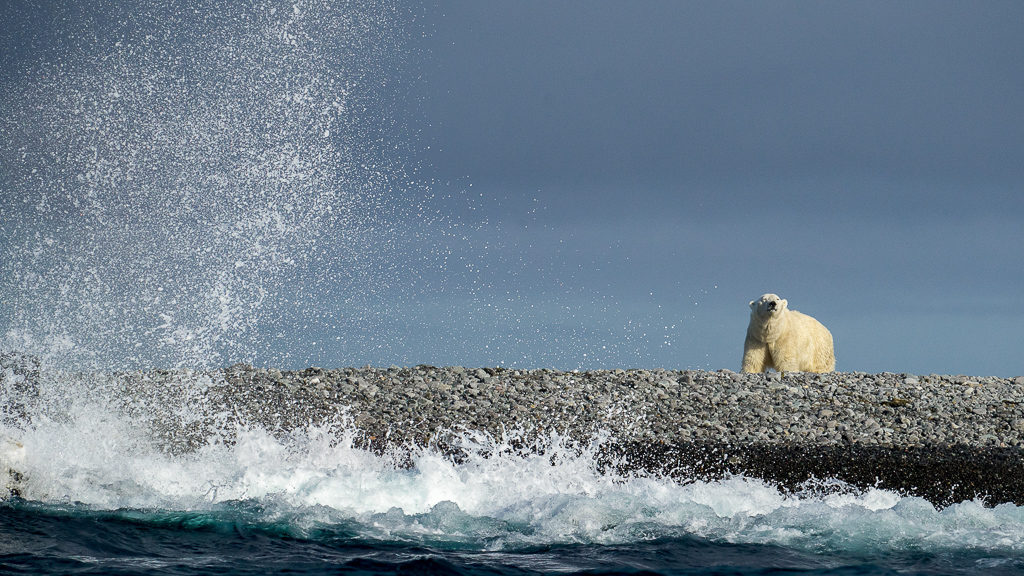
(785, 339)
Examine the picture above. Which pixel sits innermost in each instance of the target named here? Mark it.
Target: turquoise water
(231, 541)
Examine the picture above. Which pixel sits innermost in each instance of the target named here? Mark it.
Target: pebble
(424, 403)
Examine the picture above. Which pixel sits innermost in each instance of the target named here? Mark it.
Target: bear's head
(767, 306)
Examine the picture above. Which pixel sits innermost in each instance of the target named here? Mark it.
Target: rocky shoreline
(945, 438)
(665, 406)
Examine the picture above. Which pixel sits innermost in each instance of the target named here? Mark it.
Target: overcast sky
(608, 184)
(670, 161)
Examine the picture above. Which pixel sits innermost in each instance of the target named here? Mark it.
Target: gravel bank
(946, 438)
(421, 403)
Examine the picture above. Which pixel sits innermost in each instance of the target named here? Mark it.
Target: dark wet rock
(942, 475)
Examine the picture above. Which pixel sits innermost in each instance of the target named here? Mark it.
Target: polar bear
(785, 339)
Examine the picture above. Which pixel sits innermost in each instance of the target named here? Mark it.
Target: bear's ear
(783, 303)
(753, 304)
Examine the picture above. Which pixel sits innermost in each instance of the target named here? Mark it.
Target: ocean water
(104, 487)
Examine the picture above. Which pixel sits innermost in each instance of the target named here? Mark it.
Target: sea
(191, 184)
(99, 491)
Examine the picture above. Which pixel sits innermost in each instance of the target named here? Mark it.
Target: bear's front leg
(787, 364)
(755, 358)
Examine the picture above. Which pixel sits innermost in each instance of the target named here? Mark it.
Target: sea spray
(181, 182)
(196, 184)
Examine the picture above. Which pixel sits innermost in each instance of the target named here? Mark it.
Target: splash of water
(96, 455)
(180, 182)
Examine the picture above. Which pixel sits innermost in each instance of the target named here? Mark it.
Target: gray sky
(674, 160)
(587, 184)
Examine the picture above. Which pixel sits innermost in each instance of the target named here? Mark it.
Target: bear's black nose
(771, 306)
